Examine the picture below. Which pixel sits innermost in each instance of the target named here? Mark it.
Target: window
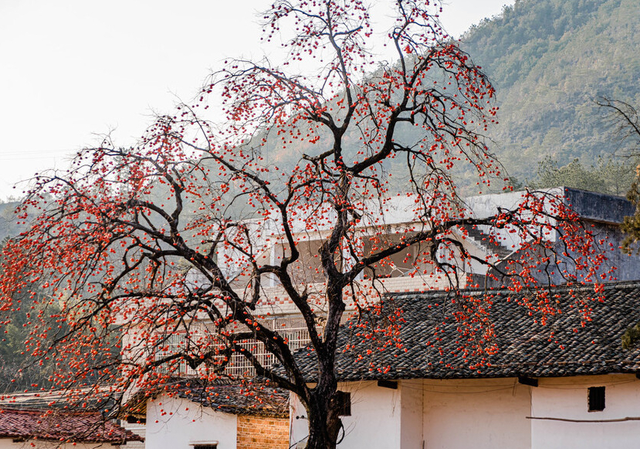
(204, 445)
(136, 419)
(344, 403)
(596, 399)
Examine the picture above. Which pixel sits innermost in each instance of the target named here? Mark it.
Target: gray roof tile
(61, 426)
(430, 343)
(250, 398)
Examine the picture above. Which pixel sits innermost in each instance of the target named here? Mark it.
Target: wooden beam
(526, 380)
(388, 384)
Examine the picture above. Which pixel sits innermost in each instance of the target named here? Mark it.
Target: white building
(220, 415)
(566, 383)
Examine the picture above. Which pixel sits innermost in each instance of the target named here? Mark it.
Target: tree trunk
(324, 419)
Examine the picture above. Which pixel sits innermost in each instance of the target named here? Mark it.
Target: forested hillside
(549, 59)
(9, 224)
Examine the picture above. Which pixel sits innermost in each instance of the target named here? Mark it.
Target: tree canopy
(183, 234)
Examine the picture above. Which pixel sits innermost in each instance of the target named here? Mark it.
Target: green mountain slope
(549, 59)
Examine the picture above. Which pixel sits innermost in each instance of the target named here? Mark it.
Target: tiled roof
(63, 426)
(430, 344)
(238, 399)
(249, 398)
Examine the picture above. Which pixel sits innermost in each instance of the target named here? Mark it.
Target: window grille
(293, 329)
(174, 344)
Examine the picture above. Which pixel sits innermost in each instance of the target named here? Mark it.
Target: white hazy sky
(71, 70)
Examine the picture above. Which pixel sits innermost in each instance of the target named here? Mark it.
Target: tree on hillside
(607, 176)
(626, 129)
(175, 235)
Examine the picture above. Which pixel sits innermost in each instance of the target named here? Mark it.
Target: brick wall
(264, 433)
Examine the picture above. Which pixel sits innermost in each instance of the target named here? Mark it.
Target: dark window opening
(343, 400)
(596, 399)
(136, 420)
(388, 384)
(206, 446)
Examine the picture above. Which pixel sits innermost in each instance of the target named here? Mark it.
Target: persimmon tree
(186, 232)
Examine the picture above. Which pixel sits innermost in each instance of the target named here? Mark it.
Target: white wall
(444, 414)
(412, 419)
(476, 413)
(488, 414)
(174, 423)
(375, 420)
(566, 398)
(297, 416)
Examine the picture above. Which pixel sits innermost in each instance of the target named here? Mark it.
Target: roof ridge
(475, 291)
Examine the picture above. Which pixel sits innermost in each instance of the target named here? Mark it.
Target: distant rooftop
(62, 426)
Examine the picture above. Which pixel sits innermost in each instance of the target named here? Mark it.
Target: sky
(72, 71)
